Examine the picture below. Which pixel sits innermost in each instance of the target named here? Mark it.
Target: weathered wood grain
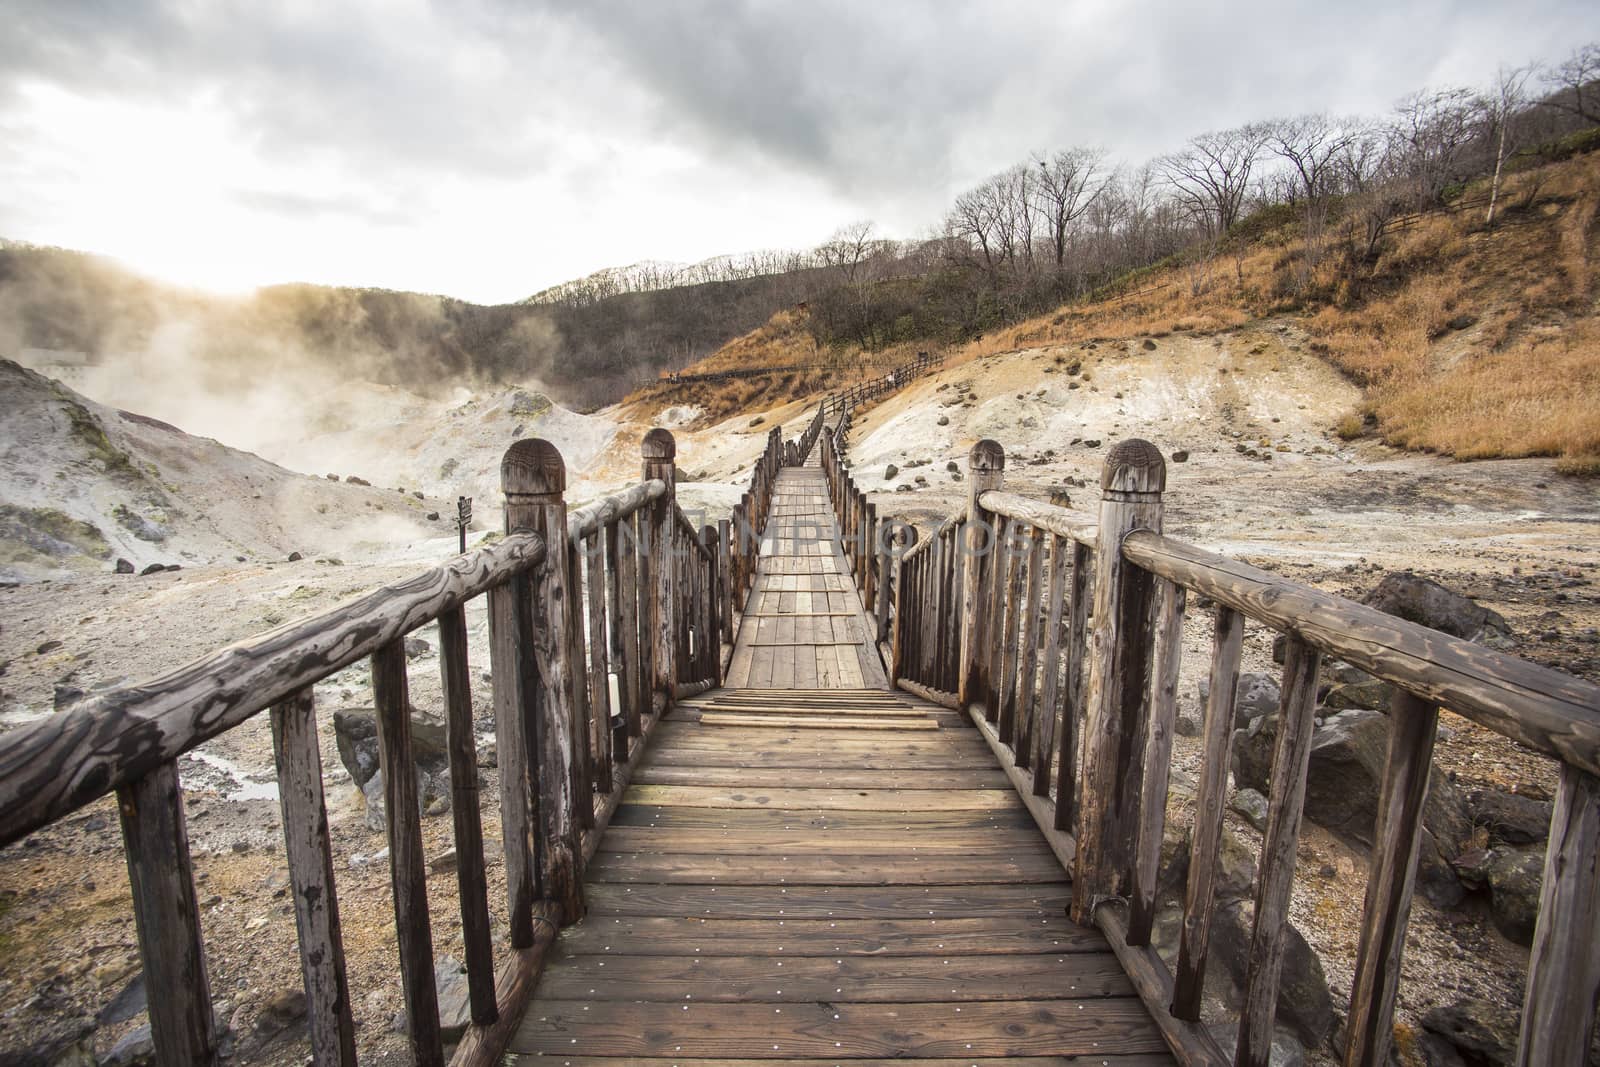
(1162, 701)
(56, 765)
(310, 859)
(1558, 1009)
(1042, 516)
(1396, 840)
(1286, 794)
(986, 465)
(1548, 710)
(407, 872)
(456, 677)
(155, 842)
(1131, 485)
(1210, 799)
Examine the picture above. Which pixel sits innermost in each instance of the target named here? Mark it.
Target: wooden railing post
(906, 539)
(659, 450)
(167, 916)
(986, 466)
(534, 478)
(1397, 838)
(1131, 485)
(725, 591)
(1558, 1010)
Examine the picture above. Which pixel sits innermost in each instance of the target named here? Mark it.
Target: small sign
(463, 519)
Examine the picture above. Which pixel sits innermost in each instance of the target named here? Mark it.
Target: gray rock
(417, 647)
(282, 1010)
(65, 696)
(1483, 1032)
(1515, 880)
(944, 420)
(455, 1007)
(1187, 726)
(1286, 1050)
(295, 557)
(154, 568)
(1374, 694)
(1426, 602)
(1304, 1003)
(953, 467)
(356, 735)
(1180, 456)
(126, 1004)
(1347, 760)
(124, 566)
(136, 1048)
(1512, 819)
(1255, 696)
(890, 472)
(1252, 805)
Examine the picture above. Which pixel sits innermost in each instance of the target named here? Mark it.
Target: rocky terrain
(1254, 471)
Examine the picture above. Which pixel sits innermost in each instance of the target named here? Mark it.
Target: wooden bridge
(807, 787)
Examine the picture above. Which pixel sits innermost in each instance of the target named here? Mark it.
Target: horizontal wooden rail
(1548, 710)
(1041, 516)
(607, 510)
(56, 765)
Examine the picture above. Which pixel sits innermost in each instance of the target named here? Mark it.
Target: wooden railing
(621, 595)
(992, 615)
(883, 383)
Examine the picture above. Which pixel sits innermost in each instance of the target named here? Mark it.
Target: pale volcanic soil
(1514, 534)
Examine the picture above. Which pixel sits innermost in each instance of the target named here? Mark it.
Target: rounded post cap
(987, 455)
(1134, 466)
(533, 466)
(659, 444)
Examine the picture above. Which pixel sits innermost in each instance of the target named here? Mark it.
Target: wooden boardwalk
(811, 868)
(803, 627)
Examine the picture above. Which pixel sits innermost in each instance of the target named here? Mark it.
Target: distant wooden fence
(623, 593)
(1060, 636)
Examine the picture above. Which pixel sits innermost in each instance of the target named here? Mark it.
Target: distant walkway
(804, 627)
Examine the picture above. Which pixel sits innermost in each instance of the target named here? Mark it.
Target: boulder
(890, 472)
(356, 735)
(455, 1007)
(944, 420)
(1285, 1052)
(1304, 1004)
(136, 1048)
(124, 566)
(154, 568)
(1250, 804)
(1515, 879)
(1482, 1032)
(1256, 695)
(417, 647)
(1374, 694)
(1346, 773)
(1180, 456)
(1511, 819)
(1426, 602)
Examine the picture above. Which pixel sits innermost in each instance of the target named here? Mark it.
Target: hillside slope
(82, 484)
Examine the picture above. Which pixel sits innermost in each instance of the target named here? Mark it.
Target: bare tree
(1577, 84)
(1068, 183)
(1212, 174)
(1505, 100)
(1433, 131)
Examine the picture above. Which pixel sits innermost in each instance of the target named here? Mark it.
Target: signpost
(463, 519)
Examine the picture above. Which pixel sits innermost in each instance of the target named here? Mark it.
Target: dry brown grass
(1521, 376)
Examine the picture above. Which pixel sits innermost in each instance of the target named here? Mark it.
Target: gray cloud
(886, 109)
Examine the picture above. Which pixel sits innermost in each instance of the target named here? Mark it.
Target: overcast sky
(487, 150)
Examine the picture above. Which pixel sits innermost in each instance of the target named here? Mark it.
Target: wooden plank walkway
(814, 893)
(803, 627)
(811, 868)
